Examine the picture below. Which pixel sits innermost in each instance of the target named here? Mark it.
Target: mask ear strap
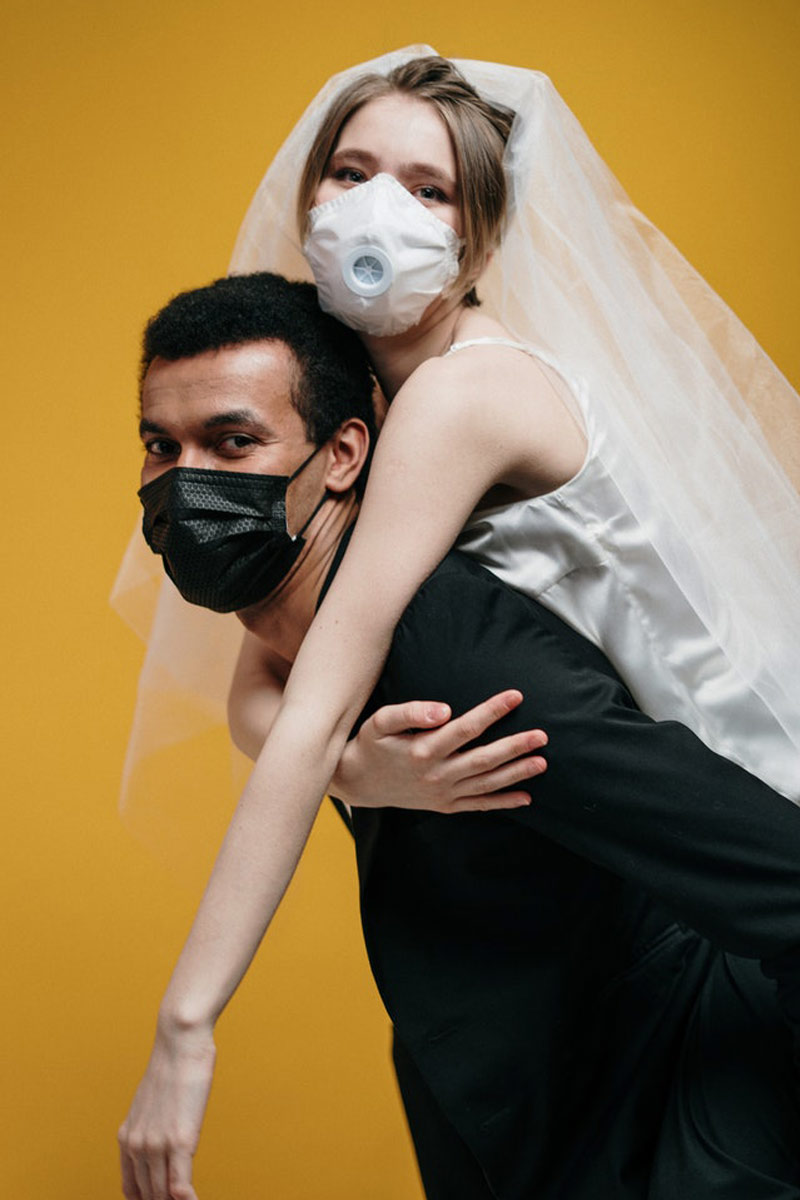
(325, 496)
(304, 463)
(322, 499)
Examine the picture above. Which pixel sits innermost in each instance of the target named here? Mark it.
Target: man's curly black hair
(333, 383)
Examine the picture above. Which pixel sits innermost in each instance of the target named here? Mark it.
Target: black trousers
(704, 1105)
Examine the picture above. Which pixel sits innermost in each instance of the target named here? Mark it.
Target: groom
(571, 1022)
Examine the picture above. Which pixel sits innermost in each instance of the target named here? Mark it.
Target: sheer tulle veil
(690, 401)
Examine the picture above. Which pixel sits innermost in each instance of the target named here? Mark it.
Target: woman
(617, 306)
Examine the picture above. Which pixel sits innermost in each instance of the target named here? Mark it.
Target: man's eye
(236, 442)
(160, 447)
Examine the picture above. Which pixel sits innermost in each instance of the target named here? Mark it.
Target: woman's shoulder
(488, 382)
(499, 398)
(474, 370)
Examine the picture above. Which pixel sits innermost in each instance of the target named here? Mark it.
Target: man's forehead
(257, 376)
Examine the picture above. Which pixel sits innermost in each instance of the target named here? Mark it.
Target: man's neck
(282, 620)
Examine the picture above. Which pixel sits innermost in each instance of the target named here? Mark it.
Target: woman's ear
(348, 449)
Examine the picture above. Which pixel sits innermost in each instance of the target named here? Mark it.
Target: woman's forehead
(406, 126)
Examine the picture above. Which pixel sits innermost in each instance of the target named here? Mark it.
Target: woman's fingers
(481, 761)
(160, 1133)
(395, 719)
(484, 787)
(490, 802)
(141, 1174)
(130, 1188)
(470, 725)
(411, 756)
(156, 1175)
(157, 1167)
(180, 1176)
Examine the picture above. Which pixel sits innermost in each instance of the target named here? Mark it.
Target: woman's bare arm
(450, 436)
(405, 755)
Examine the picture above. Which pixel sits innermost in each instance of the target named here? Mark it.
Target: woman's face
(402, 136)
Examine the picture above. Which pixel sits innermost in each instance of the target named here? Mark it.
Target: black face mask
(222, 534)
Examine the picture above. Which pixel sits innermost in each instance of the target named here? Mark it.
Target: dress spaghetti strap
(493, 341)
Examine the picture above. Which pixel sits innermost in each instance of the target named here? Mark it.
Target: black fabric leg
(448, 1169)
(732, 1126)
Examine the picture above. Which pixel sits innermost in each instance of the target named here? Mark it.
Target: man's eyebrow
(146, 426)
(237, 416)
(234, 416)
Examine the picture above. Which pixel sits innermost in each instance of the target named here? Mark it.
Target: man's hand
(159, 1136)
(412, 756)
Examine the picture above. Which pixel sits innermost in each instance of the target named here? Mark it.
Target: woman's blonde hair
(478, 130)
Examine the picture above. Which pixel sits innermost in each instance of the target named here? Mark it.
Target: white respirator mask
(379, 256)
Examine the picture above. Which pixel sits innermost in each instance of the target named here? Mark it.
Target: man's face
(229, 410)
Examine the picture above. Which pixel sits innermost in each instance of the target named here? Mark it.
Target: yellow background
(134, 137)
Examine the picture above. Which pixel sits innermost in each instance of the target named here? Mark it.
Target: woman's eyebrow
(354, 155)
(429, 170)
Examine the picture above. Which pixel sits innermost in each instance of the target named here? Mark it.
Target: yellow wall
(135, 135)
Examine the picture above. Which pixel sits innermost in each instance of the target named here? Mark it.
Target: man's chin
(253, 614)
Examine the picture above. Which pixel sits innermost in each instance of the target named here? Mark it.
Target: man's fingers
(476, 721)
(414, 714)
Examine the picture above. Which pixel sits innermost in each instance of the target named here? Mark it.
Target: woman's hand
(412, 756)
(159, 1136)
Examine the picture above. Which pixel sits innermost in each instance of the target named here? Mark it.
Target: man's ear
(347, 452)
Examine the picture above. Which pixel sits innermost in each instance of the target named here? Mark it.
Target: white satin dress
(581, 551)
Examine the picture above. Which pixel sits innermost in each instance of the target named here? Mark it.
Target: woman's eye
(431, 195)
(349, 175)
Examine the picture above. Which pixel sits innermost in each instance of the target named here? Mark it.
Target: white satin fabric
(582, 552)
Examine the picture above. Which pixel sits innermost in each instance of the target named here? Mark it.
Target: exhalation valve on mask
(367, 271)
(379, 256)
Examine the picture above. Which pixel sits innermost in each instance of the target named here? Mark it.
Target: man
(564, 1028)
